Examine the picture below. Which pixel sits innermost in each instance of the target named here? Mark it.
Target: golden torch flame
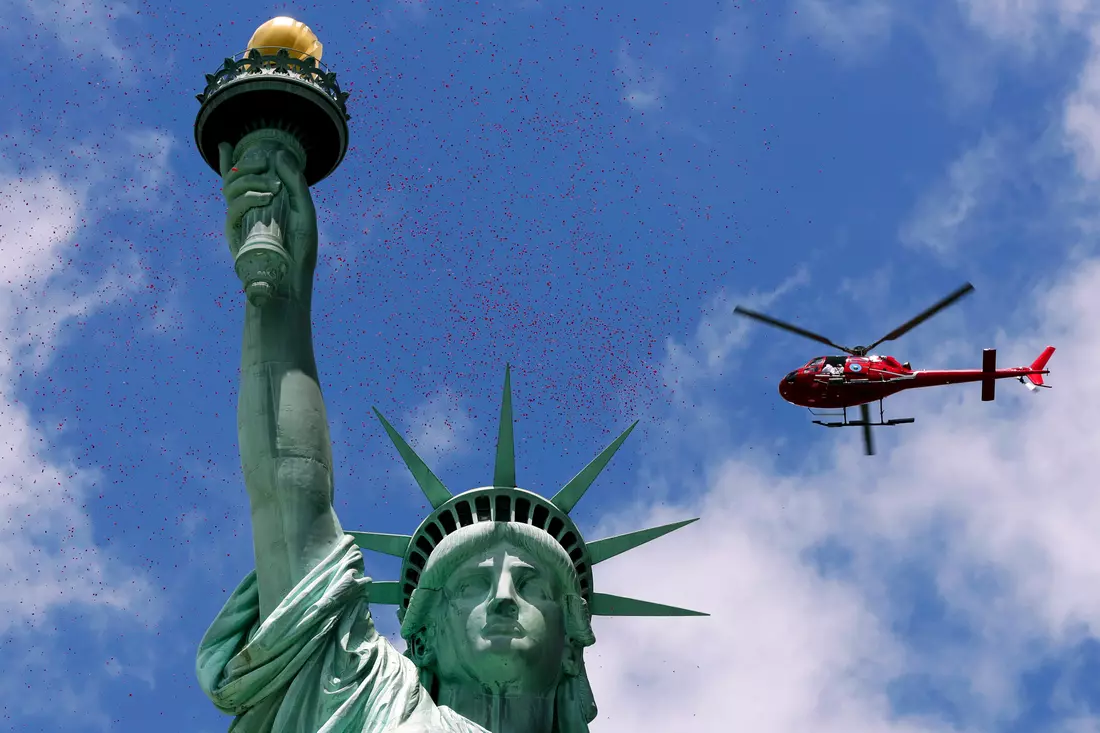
(284, 32)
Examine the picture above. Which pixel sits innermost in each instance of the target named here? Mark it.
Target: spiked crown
(505, 502)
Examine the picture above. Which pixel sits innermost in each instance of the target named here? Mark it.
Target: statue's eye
(472, 586)
(535, 588)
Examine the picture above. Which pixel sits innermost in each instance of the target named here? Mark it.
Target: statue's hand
(256, 180)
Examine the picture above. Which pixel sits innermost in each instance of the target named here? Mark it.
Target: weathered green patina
(496, 590)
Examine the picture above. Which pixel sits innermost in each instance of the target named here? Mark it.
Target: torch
(275, 95)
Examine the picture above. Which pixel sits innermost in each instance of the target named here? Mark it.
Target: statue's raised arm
(286, 453)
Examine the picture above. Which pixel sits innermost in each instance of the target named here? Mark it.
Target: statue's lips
(505, 629)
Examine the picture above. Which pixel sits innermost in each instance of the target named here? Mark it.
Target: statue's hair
(575, 706)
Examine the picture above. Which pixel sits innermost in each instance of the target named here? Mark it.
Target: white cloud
(996, 501)
(80, 27)
(971, 41)
(731, 35)
(1081, 122)
(127, 169)
(874, 287)
(784, 649)
(1036, 26)
(38, 216)
(119, 169)
(439, 428)
(851, 28)
(49, 558)
(149, 153)
(945, 215)
(719, 333)
(643, 86)
(646, 88)
(1026, 24)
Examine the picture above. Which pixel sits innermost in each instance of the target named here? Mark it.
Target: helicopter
(859, 378)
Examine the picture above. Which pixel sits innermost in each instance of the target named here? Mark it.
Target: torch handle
(262, 261)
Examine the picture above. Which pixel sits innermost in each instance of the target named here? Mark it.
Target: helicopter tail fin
(1034, 380)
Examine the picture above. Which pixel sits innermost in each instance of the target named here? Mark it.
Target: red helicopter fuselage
(834, 382)
(859, 378)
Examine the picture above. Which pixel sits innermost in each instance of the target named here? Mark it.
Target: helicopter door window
(834, 366)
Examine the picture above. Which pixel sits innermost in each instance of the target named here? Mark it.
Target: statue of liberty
(496, 589)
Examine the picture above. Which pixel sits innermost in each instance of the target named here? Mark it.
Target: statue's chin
(504, 661)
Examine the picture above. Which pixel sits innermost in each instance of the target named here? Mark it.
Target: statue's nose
(504, 607)
(503, 603)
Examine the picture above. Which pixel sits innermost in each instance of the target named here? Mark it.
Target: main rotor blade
(924, 316)
(868, 443)
(788, 327)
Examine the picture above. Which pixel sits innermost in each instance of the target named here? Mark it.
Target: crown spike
(608, 548)
(573, 491)
(385, 593)
(504, 474)
(434, 490)
(605, 604)
(388, 544)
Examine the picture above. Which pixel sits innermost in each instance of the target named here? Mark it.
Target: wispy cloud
(38, 219)
(1029, 28)
(40, 292)
(1057, 170)
(149, 153)
(123, 169)
(440, 427)
(719, 333)
(119, 168)
(85, 28)
(1002, 33)
(646, 88)
(1028, 25)
(51, 558)
(1081, 120)
(944, 216)
(643, 86)
(731, 35)
(850, 28)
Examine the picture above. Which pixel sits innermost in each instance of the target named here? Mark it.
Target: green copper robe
(316, 664)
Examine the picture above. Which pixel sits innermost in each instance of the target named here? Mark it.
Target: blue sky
(585, 192)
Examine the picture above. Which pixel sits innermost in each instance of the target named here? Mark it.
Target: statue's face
(502, 625)
(261, 150)
(265, 151)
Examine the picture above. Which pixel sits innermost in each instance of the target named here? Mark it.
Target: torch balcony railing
(276, 60)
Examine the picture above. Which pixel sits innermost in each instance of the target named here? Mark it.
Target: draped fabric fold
(316, 664)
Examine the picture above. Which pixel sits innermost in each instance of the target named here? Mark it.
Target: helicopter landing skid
(846, 423)
(864, 422)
